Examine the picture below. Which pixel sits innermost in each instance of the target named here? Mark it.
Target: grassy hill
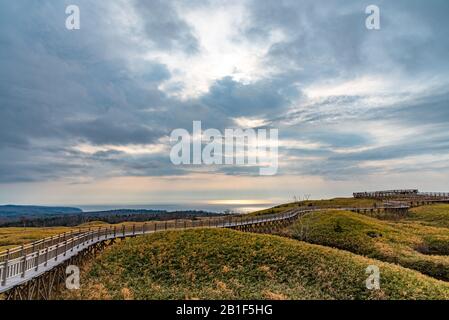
(226, 264)
(328, 203)
(433, 215)
(412, 245)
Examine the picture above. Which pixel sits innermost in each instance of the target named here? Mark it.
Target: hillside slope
(226, 264)
(433, 215)
(412, 245)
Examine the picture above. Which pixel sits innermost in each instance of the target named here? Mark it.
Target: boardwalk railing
(23, 263)
(410, 194)
(434, 194)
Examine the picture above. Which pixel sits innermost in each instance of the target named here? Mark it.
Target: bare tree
(303, 226)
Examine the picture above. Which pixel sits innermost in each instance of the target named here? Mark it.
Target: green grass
(412, 245)
(337, 202)
(226, 264)
(433, 215)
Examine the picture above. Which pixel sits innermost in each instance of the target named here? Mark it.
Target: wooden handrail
(28, 263)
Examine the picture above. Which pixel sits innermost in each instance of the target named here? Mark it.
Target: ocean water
(179, 207)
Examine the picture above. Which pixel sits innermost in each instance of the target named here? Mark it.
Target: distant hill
(69, 217)
(13, 210)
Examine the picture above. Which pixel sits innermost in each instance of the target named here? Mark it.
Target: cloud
(348, 102)
(237, 99)
(164, 27)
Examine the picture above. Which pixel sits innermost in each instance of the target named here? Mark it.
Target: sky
(86, 115)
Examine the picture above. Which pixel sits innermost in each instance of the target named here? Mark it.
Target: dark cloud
(112, 131)
(237, 99)
(98, 86)
(164, 27)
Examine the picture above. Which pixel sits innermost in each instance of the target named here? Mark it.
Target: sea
(179, 207)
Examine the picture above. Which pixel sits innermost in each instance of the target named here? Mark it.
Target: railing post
(115, 231)
(37, 260)
(79, 240)
(123, 230)
(57, 247)
(134, 229)
(5, 269)
(4, 273)
(72, 240)
(65, 247)
(46, 256)
(24, 261)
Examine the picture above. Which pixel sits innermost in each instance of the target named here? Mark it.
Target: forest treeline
(111, 216)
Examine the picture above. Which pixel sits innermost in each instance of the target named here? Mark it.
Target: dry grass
(13, 237)
(410, 244)
(225, 264)
(433, 215)
(337, 202)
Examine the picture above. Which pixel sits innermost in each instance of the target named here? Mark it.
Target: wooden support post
(4, 273)
(24, 265)
(5, 268)
(23, 254)
(46, 256)
(72, 241)
(134, 229)
(65, 248)
(37, 260)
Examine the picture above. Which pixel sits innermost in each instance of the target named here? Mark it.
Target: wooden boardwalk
(25, 264)
(19, 265)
